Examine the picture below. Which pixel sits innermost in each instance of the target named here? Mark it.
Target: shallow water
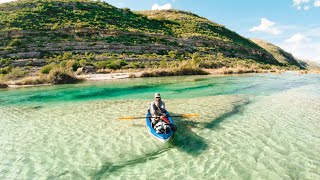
(251, 127)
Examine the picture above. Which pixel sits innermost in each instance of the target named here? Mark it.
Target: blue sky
(294, 25)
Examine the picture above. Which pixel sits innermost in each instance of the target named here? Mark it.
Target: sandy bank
(103, 77)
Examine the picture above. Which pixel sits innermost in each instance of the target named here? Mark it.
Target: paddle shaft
(182, 115)
(153, 117)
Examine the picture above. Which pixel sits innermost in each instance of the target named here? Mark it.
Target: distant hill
(310, 65)
(279, 54)
(34, 29)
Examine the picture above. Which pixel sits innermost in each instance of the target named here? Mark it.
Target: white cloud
(163, 7)
(4, 1)
(302, 3)
(297, 38)
(302, 47)
(299, 2)
(266, 26)
(306, 4)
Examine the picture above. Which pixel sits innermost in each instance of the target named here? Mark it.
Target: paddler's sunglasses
(158, 97)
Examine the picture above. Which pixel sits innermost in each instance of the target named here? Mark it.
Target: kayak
(161, 137)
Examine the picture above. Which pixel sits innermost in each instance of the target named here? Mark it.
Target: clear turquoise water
(251, 127)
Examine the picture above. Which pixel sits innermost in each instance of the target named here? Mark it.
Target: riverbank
(40, 80)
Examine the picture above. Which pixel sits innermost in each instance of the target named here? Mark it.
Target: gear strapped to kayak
(172, 126)
(162, 130)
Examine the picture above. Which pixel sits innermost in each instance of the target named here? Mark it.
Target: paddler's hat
(157, 95)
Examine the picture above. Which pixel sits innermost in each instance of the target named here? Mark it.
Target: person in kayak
(157, 109)
(159, 118)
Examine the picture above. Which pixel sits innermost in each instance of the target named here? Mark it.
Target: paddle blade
(127, 118)
(190, 115)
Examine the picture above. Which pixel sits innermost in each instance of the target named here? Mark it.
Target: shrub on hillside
(110, 64)
(16, 73)
(5, 62)
(47, 68)
(73, 65)
(15, 43)
(61, 76)
(174, 72)
(116, 64)
(5, 70)
(135, 65)
(100, 64)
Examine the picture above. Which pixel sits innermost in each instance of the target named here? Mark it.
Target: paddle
(182, 115)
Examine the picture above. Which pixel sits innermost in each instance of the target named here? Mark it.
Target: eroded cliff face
(37, 44)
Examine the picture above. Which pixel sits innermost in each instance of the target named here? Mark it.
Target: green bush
(63, 63)
(83, 63)
(100, 64)
(5, 62)
(135, 65)
(47, 68)
(15, 43)
(174, 72)
(16, 73)
(110, 64)
(5, 70)
(163, 63)
(73, 65)
(116, 64)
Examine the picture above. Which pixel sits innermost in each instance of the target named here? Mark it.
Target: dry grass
(56, 76)
(104, 71)
(173, 72)
(176, 69)
(242, 70)
(314, 71)
(79, 71)
(304, 72)
(131, 75)
(33, 80)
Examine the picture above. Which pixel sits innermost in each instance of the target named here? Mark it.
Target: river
(260, 126)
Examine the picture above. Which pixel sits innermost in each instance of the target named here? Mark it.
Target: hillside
(35, 33)
(209, 37)
(285, 57)
(310, 65)
(34, 29)
(279, 54)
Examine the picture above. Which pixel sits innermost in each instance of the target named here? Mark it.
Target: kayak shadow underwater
(188, 141)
